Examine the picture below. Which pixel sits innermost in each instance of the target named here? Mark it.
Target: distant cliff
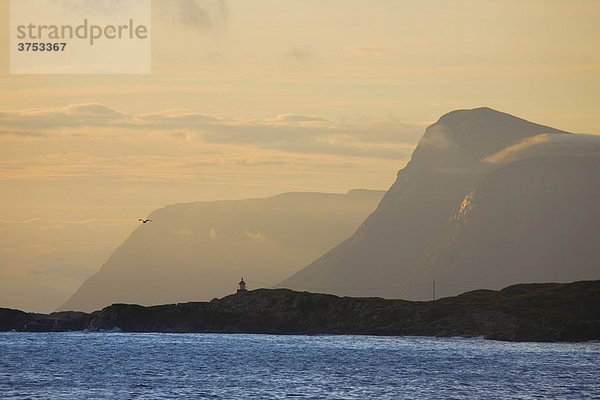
(526, 312)
(197, 251)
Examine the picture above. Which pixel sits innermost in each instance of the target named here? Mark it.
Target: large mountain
(415, 237)
(533, 220)
(198, 251)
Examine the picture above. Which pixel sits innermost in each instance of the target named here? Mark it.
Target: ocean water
(81, 365)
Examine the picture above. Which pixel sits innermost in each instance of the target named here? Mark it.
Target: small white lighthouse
(242, 287)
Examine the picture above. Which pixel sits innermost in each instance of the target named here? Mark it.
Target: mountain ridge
(199, 250)
(444, 168)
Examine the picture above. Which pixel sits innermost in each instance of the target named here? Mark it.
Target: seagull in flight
(145, 220)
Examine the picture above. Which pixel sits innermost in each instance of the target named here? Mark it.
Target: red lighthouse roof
(242, 282)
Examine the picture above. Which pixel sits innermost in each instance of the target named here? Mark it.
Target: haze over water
(212, 366)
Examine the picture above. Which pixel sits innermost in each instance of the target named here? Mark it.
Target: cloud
(170, 119)
(365, 51)
(29, 249)
(20, 133)
(298, 118)
(300, 57)
(48, 223)
(386, 138)
(547, 144)
(509, 153)
(236, 165)
(90, 110)
(198, 15)
(33, 122)
(258, 235)
(436, 137)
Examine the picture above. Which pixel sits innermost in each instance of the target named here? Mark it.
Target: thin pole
(434, 290)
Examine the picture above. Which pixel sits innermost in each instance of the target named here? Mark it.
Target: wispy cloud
(19, 133)
(198, 15)
(365, 51)
(387, 138)
(54, 222)
(300, 57)
(256, 235)
(34, 121)
(547, 144)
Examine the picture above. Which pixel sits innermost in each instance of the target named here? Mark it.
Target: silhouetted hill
(453, 157)
(198, 251)
(533, 312)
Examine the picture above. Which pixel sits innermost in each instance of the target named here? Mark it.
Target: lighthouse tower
(242, 287)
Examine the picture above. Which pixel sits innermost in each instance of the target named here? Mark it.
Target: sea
(113, 365)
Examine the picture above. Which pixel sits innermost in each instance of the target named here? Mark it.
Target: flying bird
(145, 220)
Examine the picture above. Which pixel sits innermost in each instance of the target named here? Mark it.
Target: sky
(255, 98)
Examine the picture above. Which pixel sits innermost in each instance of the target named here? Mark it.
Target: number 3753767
(27, 46)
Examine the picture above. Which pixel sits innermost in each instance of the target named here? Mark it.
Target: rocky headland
(525, 312)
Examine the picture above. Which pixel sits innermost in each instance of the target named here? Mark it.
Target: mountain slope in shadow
(457, 153)
(533, 220)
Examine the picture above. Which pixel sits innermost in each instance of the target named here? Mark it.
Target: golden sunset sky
(255, 98)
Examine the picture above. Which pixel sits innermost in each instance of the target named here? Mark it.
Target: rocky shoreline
(545, 312)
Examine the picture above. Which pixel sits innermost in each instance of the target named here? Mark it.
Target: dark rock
(531, 312)
(13, 319)
(32, 322)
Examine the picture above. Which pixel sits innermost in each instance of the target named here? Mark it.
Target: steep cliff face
(531, 221)
(198, 251)
(453, 157)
